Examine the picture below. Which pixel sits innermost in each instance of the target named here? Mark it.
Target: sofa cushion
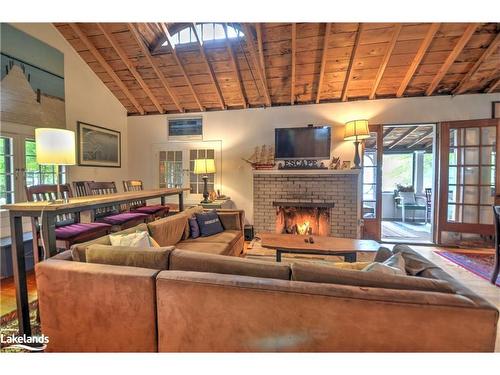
(351, 265)
(78, 250)
(137, 239)
(124, 217)
(194, 228)
(226, 237)
(154, 258)
(395, 265)
(70, 231)
(383, 253)
(150, 210)
(205, 247)
(209, 223)
(330, 275)
(414, 263)
(230, 220)
(182, 260)
(169, 230)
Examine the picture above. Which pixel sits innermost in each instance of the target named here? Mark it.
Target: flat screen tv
(302, 143)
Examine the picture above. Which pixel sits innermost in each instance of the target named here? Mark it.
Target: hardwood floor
(8, 293)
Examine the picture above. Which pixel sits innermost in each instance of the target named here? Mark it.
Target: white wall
(87, 99)
(240, 131)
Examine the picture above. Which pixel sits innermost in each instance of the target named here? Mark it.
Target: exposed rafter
(255, 60)
(209, 67)
(388, 131)
(124, 58)
(385, 61)
(328, 29)
(100, 59)
(181, 67)
(426, 42)
(494, 85)
(464, 39)
(420, 139)
(354, 53)
(486, 54)
(147, 54)
(236, 69)
(294, 63)
(260, 48)
(403, 137)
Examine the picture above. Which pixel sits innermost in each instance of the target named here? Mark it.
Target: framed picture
(98, 146)
(495, 109)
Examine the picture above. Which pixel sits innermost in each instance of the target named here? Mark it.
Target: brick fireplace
(326, 201)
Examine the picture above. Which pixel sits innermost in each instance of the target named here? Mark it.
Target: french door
(469, 178)
(371, 204)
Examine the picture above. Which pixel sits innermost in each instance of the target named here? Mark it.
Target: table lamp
(55, 147)
(356, 131)
(204, 167)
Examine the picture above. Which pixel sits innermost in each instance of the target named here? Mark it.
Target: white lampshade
(204, 166)
(55, 146)
(356, 130)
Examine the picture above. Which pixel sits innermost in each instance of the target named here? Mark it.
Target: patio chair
(408, 200)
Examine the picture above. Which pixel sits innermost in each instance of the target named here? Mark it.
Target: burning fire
(303, 228)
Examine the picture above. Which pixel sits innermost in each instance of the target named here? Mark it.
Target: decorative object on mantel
(334, 163)
(356, 131)
(204, 167)
(301, 164)
(346, 164)
(55, 147)
(262, 157)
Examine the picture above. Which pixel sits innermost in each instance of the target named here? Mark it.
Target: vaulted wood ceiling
(287, 64)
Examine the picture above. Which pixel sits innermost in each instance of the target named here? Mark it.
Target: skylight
(206, 32)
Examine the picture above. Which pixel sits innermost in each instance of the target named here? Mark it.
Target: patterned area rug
(478, 263)
(9, 326)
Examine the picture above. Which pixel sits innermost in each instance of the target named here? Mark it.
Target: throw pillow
(138, 239)
(383, 253)
(194, 228)
(395, 265)
(209, 223)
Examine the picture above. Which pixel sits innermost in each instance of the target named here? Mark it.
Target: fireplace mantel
(300, 172)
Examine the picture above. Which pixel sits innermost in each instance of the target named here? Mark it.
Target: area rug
(477, 263)
(9, 326)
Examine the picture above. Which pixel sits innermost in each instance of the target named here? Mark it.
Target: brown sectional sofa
(194, 301)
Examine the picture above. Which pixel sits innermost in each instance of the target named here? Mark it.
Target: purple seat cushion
(73, 230)
(151, 209)
(123, 217)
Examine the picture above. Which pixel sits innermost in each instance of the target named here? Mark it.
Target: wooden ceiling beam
(100, 59)
(124, 58)
(294, 63)
(328, 29)
(147, 54)
(464, 39)
(403, 137)
(421, 138)
(387, 132)
(234, 64)
(486, 54)
(494, 84)
(181, 67)
(209, 67)
(426, 42)
(255, 60)
(385, 61)
(260, 49)
(349, 73)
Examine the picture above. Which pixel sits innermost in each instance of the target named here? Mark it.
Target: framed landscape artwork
(98, 146)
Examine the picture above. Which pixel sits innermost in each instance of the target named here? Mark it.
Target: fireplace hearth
(305, 218)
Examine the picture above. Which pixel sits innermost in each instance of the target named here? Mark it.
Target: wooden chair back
(80, 188)
(134, 185)
(39, 193)
(104, 188)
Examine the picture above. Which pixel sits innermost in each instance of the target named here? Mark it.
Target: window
(397, 169)
(195, 180)
(206, 32)
(36, 174)
(428, 175)
(6, 170)
(370, 177)
(171, 169)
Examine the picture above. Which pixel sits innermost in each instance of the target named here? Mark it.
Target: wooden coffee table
(296, 244)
